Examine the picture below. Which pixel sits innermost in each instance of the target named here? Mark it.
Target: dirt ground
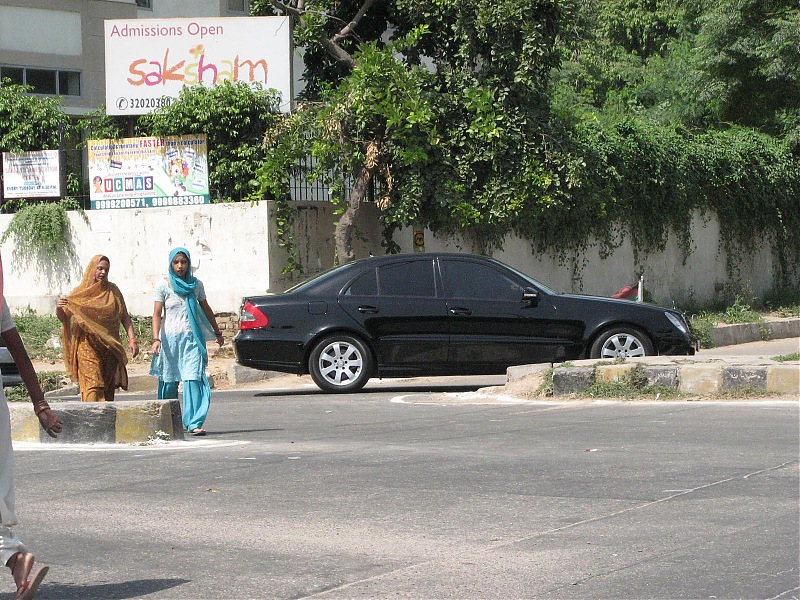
(219, 359)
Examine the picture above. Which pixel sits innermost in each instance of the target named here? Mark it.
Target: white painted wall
(228, 244)
(235, 252)
(699, 281)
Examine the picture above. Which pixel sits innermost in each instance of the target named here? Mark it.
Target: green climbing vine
(42, 229)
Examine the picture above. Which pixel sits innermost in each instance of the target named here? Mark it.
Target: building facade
(58, 47)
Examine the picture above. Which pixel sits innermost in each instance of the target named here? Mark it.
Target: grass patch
(632, 385)
(739, 312)
(49, 380)
(787, 357)
(36, 331)
(40, 332)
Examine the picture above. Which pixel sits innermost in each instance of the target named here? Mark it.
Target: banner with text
(148, 61)
(148, 172)
(35, 174)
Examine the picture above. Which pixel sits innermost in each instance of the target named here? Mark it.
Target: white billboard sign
(35, 174)
(148, 61)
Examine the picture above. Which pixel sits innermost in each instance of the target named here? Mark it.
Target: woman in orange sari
(90, 316)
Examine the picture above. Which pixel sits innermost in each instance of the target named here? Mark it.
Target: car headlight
(679, 324)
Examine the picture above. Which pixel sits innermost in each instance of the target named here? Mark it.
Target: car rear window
(365, 285)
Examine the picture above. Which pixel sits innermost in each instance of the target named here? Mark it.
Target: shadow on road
(107, 591)
(376, 389)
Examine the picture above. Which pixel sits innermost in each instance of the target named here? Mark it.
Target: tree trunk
(344, 226)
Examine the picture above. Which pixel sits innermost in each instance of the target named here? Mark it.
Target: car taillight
(251, 317)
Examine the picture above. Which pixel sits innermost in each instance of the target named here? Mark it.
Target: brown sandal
(27, 591)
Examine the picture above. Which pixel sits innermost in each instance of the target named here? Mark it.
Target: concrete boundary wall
(235, 252)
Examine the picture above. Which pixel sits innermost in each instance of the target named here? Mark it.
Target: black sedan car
(440, 314)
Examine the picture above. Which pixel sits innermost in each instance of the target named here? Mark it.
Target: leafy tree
(449, 117)
(491, 64)
(624, 57)
(234, 116)
(29, 122)
(751, 59)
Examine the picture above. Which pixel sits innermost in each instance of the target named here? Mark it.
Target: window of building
(50, 82)
(237, 5)
(148, 4)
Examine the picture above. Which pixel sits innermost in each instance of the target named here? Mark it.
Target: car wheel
(340, 363)
(621, 342)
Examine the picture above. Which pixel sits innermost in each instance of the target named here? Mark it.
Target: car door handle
(460, 312)
(368, 309)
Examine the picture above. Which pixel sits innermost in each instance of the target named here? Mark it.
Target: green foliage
(29, 122)
(48, 380)
(787, 357)
(750, 57)
(738, 312)
(378, 118)
(97, 125)
(143, 328)
(41, 230)
(35, 331)
(632, 385)
(234, 116)
(639, 181)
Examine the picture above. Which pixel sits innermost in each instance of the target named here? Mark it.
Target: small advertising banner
(149, 61)
(35, 174)
(148, 172)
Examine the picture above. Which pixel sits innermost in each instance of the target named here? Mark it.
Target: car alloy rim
(622, 344)
(340, 363)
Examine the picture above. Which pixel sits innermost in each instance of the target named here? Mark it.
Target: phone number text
(149, 202)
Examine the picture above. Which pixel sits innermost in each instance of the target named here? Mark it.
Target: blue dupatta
(185, 287)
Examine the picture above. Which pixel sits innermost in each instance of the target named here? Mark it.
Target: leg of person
(167, 390)
(196, 402)
(12, 552)
(109, 394)
(94, 394)
(26, 578)
(90, 373)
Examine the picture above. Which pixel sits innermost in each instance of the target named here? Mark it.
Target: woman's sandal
(27, 591)
(197, 432)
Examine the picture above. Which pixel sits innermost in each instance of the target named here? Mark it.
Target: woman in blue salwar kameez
(182, 324)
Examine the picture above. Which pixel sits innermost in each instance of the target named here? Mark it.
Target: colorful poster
(148, 172)
(148, 61)
(35, 174)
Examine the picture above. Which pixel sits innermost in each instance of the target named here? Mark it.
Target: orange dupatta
(95, 312)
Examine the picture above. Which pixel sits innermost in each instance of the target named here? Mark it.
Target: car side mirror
(530, 296)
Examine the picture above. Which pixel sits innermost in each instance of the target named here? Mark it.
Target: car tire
(340, 364)
(622, 342)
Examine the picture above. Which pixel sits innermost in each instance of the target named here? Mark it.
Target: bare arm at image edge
(47, 418)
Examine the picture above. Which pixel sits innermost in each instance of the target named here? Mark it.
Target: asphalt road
(401, 492)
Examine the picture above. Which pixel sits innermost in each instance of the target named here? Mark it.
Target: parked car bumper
(9, 369)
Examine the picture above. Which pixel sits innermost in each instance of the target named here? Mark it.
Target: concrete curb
(700, 378)
(121, 422)
(742, 333)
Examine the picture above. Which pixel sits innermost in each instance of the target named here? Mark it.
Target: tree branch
(350, 27)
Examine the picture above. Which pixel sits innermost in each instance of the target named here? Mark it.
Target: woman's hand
(133, 344)
(51, 423)
(61, 304)
(220, 339)
(156, 349)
